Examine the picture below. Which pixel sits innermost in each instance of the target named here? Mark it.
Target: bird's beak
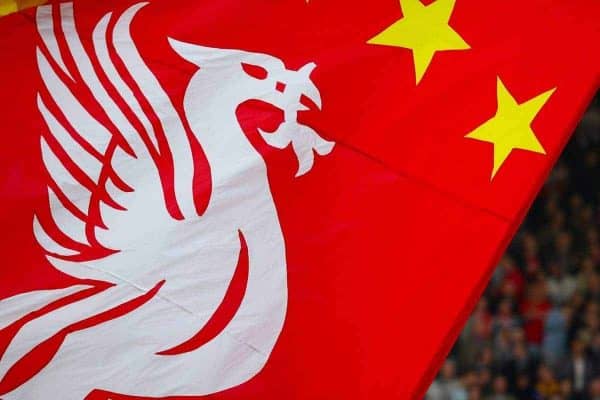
(310, 90)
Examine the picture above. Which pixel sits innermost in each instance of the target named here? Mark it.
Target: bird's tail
(35, 325)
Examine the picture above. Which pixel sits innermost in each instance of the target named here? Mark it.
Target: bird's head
(236, 76)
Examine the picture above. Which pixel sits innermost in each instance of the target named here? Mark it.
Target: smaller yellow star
(424, 30)
(510, 128)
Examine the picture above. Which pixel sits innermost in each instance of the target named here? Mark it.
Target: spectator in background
(563, 256)
(534, 309)
(476, 333)
(474, 393)
(561, 286)
(505, 317)
(523, 389)
(566, 390)
(547, 386)
(595, 389)
(595, 354)
(521, 362)
(556, 329)
(593, 288)
(578, 370)
(500, 389)
(485, 380)
(510, 280)
(531, 256)
(447, 386)
(586, 270)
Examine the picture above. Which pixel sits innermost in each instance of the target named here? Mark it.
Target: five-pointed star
(510, 128)
(424, 30)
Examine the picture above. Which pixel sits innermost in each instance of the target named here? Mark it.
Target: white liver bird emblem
(122, 174)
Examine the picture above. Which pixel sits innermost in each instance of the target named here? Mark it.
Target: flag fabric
(268, 200)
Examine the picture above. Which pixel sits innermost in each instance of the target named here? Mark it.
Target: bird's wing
(100, 149)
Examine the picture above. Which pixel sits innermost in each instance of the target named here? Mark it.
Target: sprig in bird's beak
(304, 140)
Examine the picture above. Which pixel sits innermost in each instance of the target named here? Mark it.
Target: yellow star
(424, 30)
(8, 7)
(510, 128)
(12, 6)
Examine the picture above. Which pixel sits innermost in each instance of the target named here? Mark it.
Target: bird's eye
(255, 71)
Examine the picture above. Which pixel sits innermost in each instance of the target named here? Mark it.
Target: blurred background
(535, 334)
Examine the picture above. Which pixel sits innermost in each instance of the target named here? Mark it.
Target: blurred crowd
(535, 334)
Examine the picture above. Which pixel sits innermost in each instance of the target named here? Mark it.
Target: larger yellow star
(510, 128)
(424, 30)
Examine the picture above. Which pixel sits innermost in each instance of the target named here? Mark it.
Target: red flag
(289, 200)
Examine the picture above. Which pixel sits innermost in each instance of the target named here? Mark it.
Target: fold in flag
(268, 200)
